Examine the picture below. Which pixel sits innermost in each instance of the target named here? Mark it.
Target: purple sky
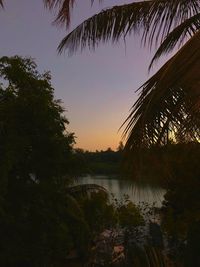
(97, 88)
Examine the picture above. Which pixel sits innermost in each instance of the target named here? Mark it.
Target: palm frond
(155, 18)
(85, 189)
(63, 8)
(177, 37)
(145, 256)
(169, 102)
(72, 207)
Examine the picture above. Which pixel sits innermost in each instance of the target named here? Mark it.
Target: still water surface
(137, 192)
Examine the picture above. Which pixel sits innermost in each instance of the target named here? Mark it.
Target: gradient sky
(97, 88)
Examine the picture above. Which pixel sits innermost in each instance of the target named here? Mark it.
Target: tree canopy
(33, 125)
(39, 222)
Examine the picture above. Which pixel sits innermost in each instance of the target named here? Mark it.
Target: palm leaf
(156, 18)
(85, 189)
(145, 256)
(64, 8)
(169, 102)
(155, 256)
(72, 206)
(177, 37)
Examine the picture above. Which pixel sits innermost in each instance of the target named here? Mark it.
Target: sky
(97, 88)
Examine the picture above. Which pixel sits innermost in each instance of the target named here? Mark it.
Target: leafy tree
(129, 215)
(103, 212)
(120, 147)
(39, 222)
(99, 162)
(32, 123)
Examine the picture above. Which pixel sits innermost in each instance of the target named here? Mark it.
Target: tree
(120, 147)
(169, 101)
(33, 137)
(39, 221)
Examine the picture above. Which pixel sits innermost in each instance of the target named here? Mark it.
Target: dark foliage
(39, 223)
(106, 162)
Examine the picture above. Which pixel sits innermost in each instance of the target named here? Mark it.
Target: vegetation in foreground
(43, 224)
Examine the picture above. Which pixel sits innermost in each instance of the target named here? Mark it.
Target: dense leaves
(104, 162)
(182, 201)
(39, 222)
(32, 123)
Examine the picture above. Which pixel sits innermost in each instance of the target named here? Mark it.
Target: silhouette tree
(39, 221)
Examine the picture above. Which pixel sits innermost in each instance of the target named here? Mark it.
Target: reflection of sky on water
(137, 192)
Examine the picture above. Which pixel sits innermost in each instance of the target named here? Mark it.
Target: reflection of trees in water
(137, 191)
(142, 191)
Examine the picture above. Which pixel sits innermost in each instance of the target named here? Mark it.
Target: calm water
(137, 192)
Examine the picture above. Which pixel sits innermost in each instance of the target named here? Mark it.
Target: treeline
(104, 162)
(154, 164)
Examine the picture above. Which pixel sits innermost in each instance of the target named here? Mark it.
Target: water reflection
(137, 192)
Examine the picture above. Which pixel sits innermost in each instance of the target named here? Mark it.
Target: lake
(137, 192)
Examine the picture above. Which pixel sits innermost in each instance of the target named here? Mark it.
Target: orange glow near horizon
(98, 142)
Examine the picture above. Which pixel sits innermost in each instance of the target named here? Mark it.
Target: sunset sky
(97, 88)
